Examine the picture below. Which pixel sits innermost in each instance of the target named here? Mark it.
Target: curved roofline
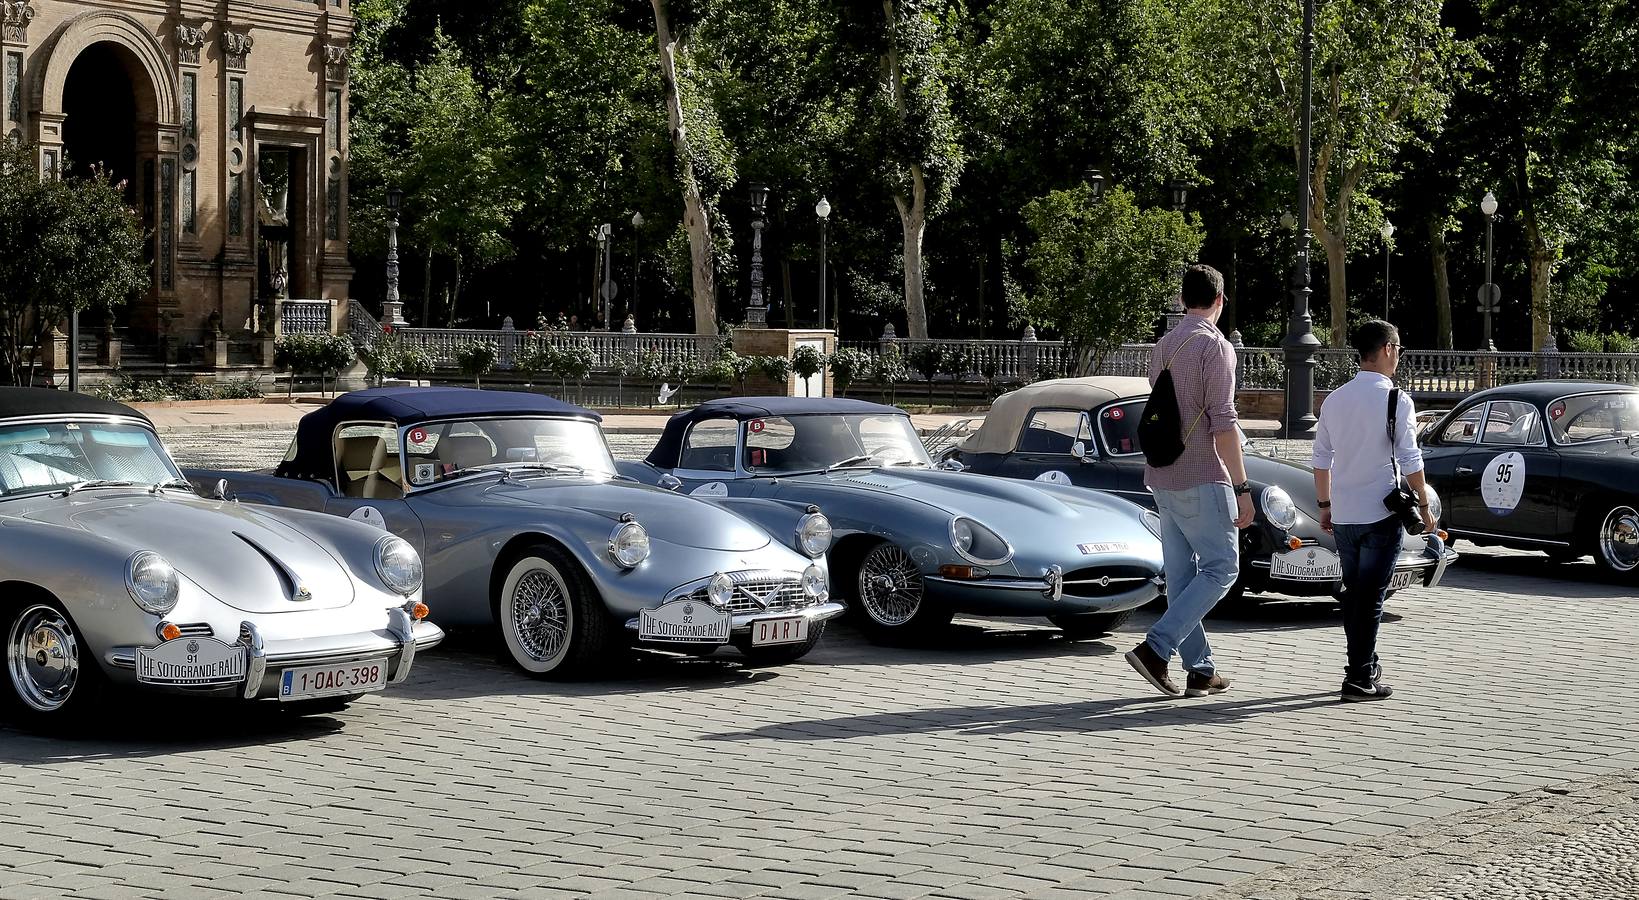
(33, 402)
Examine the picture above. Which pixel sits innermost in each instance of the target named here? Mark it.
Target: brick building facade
(226, 119)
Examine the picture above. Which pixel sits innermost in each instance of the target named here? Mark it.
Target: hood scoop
(886, 482)
(293, 588)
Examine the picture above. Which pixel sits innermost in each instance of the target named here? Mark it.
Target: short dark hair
(1372, 335)
(1202, 285)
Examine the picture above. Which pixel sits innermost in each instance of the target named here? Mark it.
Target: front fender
(777, 517)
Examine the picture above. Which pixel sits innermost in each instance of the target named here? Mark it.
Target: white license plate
(779, 631)
(684, 622)
(197, 661)
(1306, 564)
(309, 682)
(1405, 579)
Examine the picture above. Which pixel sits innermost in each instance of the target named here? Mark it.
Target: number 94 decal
(1502, 483)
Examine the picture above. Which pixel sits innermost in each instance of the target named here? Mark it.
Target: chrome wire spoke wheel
(43, 658)
(535, 615)
(1619, 539)
(890, 586)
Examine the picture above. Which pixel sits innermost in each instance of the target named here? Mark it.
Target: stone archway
(136, 134)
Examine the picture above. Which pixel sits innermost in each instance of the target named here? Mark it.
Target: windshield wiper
(851, 461)
(97, 483)
(179, 483)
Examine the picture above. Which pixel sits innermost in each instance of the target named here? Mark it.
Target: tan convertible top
(1004, 422)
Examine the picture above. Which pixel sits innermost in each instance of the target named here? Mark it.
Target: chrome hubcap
(43, 658)
(890, 587)
(540, 614)
(1619, 539)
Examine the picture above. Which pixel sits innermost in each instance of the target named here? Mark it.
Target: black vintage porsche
(1084, 431)
(1544, 465)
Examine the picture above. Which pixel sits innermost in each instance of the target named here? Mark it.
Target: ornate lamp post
(757, 313)
(1300, 343)
(1387, 231)
(1095, 182)
(1179, 192)
(392, 309)
(822, 209)
(637, 227)
(1490, 294)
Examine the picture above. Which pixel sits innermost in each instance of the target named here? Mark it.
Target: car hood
(667, 516)
(245, 558)
(996, 502)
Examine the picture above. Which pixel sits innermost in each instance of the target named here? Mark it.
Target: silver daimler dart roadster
(914, 544)
(114, 570)
(514, 501)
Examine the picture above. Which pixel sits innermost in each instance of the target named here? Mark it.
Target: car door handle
(1464, 470)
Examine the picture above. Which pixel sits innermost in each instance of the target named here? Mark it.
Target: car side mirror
(220, 490)
(951, 464)
(670, 482)
(1079, 450)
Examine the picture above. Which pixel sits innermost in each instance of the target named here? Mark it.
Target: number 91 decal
(1502, 483)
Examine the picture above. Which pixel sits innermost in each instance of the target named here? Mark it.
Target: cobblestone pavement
(1002, 761)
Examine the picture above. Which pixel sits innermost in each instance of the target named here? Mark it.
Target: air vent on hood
(287, 578)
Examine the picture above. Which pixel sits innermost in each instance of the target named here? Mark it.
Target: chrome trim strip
(1506, 537)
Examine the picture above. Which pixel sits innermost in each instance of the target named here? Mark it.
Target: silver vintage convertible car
(514, 501)
(914, 544)
(116, 571)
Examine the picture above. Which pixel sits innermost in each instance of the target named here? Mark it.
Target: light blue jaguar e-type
(914, 544)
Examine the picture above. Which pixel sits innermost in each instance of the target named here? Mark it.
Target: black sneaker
(1201, 685)
(1154, 669)
(1356, 692)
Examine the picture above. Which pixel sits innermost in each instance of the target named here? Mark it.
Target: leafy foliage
(847, 365)
(1105, 269)
(477, 359)
(807, 361)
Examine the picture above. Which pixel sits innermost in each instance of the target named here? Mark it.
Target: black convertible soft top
(409, 406)
(666, 452)
(16, 402)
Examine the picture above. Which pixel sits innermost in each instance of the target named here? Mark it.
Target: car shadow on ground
(1086, 717)
(131, 725)
(1576, 580)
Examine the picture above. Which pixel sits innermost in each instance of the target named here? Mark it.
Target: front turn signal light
(169, 632)
(419, 611)
(1294, 542)
(964, 573)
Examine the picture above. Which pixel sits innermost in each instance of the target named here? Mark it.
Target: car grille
(1091, 582)
(761, 592)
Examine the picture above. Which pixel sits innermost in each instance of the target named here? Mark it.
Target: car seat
(365, 470)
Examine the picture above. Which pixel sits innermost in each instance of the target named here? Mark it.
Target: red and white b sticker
(756, 426)
(1117, 414)
(418, 436)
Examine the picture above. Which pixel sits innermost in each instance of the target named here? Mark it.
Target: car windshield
(784, 444)
(1594, 417)
(1119, 424)
(440, 451)
(49, 456)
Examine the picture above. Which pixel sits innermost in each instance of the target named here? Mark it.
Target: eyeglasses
(1395, 346)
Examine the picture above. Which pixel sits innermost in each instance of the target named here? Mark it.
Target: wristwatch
(1244, 487)
(1324, 504)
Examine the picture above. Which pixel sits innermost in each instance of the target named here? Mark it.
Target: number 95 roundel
(1502, 483)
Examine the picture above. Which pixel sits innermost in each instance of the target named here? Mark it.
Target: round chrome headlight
(978, 544)
(814, 534)
(1152, 521)
(1278, 508)
(629, 545)
(1435, 507)
(814, 585)
(720, 590)
(398, 565)
(152, 581)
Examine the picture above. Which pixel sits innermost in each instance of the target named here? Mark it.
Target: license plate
(192, 661)
(1405, 579)
(779, 631)
(309, 682)
(1306, 564)
(684, 622)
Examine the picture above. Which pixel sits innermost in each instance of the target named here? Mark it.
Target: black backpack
(1160, 428)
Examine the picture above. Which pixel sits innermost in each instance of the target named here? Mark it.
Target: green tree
(1104, 270)
(71, 244)
(1384, 71)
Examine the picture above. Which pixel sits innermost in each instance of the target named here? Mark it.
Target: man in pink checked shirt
(1203, 496)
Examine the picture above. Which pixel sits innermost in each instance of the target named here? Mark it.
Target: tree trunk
(1337, 288)
(1542, 272)
(1442, 283)
(785, 278)
(913, 218)
(427, 290)
(696, 218)
(455, 297)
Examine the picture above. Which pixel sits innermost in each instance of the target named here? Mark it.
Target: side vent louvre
(287, 579)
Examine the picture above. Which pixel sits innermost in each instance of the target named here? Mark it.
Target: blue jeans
(1202, 561)
(1368, 554)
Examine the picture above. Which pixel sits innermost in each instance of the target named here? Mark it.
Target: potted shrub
(477, 359)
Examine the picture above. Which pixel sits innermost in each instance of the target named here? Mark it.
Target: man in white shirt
(1354, 465)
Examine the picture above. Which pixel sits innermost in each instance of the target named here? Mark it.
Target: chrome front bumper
(740, 623)
(264, 660)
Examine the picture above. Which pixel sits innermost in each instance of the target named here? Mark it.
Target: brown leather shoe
(1201, 685)
(1154, 669)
